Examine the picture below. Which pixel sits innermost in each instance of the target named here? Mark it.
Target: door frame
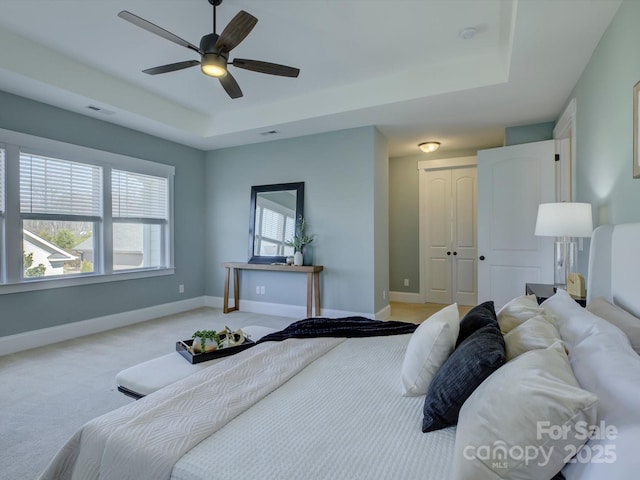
(424, 166)
(565, 135)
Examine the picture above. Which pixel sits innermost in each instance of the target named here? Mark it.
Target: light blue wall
(536, 132)
(381, 221)
(604, 123)
(341, 171)
(21, 312)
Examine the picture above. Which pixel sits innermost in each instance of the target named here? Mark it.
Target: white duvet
(298, 409)
(342, 417)
(143, 440)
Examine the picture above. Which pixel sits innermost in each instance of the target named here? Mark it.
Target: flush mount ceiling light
(428, 147)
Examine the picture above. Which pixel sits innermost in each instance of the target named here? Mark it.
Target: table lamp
(565, 221)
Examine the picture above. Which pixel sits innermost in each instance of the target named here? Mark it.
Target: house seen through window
(75, 218)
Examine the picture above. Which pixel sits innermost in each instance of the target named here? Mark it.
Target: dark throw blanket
(339, 327)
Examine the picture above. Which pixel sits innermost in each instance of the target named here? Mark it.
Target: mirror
(274, 210)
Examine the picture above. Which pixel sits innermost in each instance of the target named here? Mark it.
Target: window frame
(11, 280)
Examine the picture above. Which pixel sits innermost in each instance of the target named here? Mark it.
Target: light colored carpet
(48, 393)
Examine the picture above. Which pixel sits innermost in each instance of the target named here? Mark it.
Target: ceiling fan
(214, 50)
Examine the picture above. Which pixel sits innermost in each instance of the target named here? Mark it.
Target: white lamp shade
(567, 219)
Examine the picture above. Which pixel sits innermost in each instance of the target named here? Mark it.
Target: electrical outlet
(257, 290)
(262, 290)
(384, 294)
(180, 288)
(406, 282)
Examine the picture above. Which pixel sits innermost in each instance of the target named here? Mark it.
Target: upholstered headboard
(614, 265)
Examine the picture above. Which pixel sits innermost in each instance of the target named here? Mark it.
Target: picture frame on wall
(636, 127)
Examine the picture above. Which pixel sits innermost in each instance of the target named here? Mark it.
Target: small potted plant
(205, 341)
(299, 240)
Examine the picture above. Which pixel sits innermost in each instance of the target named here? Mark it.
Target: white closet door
(450, 221)
(512, 182)
(463, 239)
(437, 220)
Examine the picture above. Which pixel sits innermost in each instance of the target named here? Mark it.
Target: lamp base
(565, 261)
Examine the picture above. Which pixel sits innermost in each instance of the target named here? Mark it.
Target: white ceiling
(397, 64)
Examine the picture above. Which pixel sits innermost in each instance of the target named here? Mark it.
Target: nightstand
(542, 291)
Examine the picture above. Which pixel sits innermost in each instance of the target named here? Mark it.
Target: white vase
(209, 345)
(297, 258)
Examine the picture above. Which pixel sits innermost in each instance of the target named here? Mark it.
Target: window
(72, 215)
(139, 215)
(60, 203)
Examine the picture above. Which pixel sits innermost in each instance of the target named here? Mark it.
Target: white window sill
(88, 279)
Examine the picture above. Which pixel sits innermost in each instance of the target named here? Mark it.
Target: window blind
(272, 224)
(139, 197)
(2, 189)
(52, 186)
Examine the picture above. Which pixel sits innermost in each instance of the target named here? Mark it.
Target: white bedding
(337, 411)
(143, 440)
(298, 432)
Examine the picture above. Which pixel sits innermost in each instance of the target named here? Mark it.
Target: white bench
(152, 375)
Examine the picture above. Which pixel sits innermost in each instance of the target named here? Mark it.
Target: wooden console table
(313, 282)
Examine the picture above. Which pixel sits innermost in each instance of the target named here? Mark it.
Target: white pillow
(515, 415)
(576, 323)
(429, 347)
(517, 311)
(622, 319)
(605, 364)
(537, 332)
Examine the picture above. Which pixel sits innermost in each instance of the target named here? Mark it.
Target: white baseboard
(59, 333)
(384, 314)
(284, 310)
(404, 297)
(46, 336)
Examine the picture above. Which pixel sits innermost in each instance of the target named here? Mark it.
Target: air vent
(103, 111)
(270, 132)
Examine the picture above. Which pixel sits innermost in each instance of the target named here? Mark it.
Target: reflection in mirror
(274, 210)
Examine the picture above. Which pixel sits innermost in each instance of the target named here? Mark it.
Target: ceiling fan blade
(172, 67)
(266, 67)
(150, 27)
(238, 28)
(230, 86)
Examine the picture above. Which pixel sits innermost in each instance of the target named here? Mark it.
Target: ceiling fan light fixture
(428, 147)
(214, 65)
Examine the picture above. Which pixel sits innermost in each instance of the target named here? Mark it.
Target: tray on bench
(181, 348)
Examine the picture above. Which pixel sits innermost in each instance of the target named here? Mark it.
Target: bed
(561, 399)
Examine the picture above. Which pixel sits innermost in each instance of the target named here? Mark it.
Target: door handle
(481, 257)
(455, 253)
(448, 253)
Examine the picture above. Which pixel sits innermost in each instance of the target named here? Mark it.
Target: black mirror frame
(299, 188)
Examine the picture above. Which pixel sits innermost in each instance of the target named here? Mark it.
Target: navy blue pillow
(477, 357)
(476, 318)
